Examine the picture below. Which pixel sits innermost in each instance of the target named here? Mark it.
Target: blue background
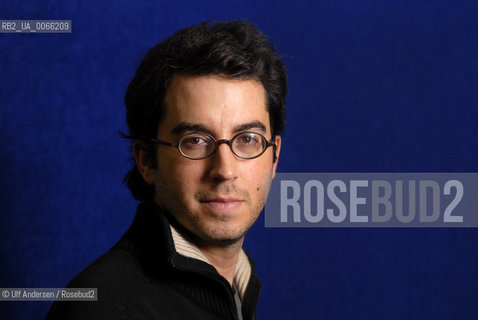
(375, 86)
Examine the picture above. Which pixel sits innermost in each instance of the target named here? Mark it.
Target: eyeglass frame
(218, 143)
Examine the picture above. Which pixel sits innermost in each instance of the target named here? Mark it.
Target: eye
(248, 139)
(195, 140)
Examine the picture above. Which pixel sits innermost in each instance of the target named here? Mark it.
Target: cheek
(179, 176)
(262, 182)
(173, 165)
(259, 172)
(173, 190)
(267, 184)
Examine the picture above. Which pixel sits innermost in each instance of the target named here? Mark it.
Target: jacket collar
(155, 236)
(186, 248)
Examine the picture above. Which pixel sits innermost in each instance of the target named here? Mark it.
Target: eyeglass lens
(201, 145)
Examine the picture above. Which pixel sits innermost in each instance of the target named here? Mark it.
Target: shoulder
(114, 269)
(118, 277)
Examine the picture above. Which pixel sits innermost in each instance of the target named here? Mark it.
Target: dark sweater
(143, 277)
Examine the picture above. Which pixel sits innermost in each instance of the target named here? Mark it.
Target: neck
(223, 258)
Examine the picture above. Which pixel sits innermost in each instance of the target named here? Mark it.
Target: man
(205, 112)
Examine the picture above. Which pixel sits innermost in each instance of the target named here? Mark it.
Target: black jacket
(143, 277)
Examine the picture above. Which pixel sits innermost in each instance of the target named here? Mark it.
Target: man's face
(218, 198)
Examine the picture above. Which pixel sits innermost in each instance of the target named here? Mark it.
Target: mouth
(223, 204)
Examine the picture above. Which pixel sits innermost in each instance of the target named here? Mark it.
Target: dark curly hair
(235, 49)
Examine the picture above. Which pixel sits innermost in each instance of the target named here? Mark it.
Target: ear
(142, 163)
(276, 155)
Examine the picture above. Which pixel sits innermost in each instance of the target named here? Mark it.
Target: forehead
(216, 102)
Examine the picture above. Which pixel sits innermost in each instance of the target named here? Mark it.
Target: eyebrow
(188, 126)
(251, 125)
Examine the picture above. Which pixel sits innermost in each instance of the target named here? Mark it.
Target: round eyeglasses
(199, 145)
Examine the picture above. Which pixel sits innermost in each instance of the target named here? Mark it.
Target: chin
(223, 236)
(224, 242)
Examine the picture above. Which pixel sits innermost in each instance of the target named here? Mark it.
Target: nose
(223, 164)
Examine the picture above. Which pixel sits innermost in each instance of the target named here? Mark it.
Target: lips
(223, 204)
